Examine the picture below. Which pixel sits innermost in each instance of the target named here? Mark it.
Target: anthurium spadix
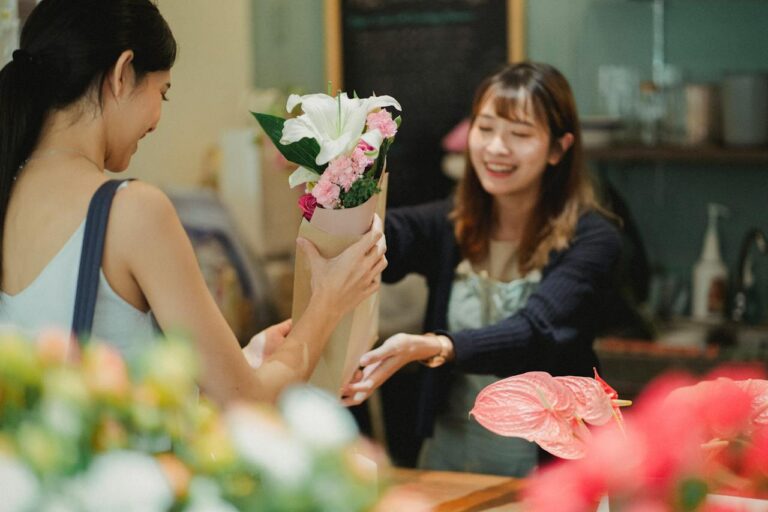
(335, 123)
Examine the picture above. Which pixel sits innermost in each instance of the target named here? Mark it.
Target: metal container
(701, 121)
(745, 109)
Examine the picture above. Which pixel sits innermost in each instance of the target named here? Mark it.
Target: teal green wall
(289, 44)
(705, 38)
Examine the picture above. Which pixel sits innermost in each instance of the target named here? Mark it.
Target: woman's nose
(497, 145)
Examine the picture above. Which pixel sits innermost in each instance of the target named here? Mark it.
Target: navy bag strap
(90, 258)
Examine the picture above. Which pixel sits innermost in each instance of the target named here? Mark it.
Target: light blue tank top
(49, 302)
(480, 298)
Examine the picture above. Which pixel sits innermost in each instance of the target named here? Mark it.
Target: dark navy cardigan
(553, 332)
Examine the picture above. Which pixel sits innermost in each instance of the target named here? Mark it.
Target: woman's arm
(160, 258)
(545, 329)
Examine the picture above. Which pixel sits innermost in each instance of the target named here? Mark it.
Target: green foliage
(378, 166)
(302, 153)
(691, 494)
(360, 191)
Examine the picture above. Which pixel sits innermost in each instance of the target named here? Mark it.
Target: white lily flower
(335, 123)
(302, 175)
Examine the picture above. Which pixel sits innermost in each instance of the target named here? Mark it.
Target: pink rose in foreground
(382, 121)
(307, 203)
(326, 192)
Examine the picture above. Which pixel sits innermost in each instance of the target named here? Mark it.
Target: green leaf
(691, 494)
(378, 166)
(302, 152)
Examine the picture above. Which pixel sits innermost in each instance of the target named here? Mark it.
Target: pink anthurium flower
(757, 389)
(616, 402)
(593, 405)
(530, 405)
(549, 411)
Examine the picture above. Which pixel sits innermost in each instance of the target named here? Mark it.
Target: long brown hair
(566, 190)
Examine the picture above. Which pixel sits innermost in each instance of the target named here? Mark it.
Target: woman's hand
(379, 364)
(347, 279)
(263, 344)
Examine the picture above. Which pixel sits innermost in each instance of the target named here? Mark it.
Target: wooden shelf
(701, 154)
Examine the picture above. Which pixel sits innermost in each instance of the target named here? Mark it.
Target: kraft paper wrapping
(332, 231)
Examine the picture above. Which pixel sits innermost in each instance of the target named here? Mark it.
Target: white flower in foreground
(316, 418)
(19, 489)
(205, 496)
(261, 440)
(125, 481)
(335, 123)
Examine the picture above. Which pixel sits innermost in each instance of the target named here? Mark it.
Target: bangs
(515, 104)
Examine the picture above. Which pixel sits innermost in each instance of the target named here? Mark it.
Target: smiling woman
(517, 266)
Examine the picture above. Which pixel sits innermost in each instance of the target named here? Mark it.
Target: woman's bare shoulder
(142, 201)
(142, 213)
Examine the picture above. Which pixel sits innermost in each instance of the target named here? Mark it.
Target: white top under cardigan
(49, 302)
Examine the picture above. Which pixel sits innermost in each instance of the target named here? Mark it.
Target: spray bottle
(710, 275)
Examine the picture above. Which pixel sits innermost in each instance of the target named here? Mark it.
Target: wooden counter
(442, 491)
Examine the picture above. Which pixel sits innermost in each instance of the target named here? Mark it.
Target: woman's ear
(559, 148)
(120, 78)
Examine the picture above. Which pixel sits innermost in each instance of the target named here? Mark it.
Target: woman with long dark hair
(85, 86)
(517, 264)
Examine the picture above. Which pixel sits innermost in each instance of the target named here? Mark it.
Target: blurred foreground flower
(84, 431)
(683, 443)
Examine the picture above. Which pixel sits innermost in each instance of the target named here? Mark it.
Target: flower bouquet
(90, 433)
(340, 146)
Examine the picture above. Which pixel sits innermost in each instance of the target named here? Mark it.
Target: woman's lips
(499, 170)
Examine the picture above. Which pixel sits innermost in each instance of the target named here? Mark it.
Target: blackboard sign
(430, 55)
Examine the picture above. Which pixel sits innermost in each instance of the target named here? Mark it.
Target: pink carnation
(360, 160)
(342, 171)
(326, 192)
(345, 170)
(382, 121)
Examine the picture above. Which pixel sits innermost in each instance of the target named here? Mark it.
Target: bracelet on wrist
(441, 357)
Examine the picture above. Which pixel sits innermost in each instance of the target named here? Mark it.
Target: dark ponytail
(67, 49)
